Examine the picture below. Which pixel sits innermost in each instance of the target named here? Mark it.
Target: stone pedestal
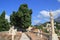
(53, 37)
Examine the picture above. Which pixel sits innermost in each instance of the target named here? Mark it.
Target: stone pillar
(53, 35)
(52, 22)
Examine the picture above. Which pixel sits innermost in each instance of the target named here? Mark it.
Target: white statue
(12, 32)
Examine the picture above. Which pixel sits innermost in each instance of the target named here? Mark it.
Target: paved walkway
(24, 37)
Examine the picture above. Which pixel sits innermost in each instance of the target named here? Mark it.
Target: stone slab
(54, 37)
(24, 37)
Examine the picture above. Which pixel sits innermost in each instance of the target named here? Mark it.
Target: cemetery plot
(34, 36)
(6, 36)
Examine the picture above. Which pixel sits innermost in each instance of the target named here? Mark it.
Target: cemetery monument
(53, 35)
(12, 32)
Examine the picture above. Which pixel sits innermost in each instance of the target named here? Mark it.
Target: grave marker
(12, 32)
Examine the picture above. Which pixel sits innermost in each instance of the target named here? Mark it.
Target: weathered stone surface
(53, 34)
(24, 37)
(54, 37)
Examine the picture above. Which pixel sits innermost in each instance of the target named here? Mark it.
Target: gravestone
(12, 32)
(24, 37)
(53, 35)
(41, 36)
(38, 33)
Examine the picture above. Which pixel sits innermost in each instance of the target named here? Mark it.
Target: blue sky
(40, 8)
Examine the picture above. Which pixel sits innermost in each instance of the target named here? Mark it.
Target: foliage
(21, 18)
(57, 26)
(4, 25)
(40, 27)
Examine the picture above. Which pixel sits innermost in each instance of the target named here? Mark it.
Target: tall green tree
(21, 18)
(4, 25)
(57, 26)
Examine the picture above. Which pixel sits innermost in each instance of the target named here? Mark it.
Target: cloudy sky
(40, 8)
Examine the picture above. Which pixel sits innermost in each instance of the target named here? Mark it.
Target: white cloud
(56, 12)
(36, 21)
(46, 13)
(39, 16)
(44, 16)
(58, 0)
(7, 17)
